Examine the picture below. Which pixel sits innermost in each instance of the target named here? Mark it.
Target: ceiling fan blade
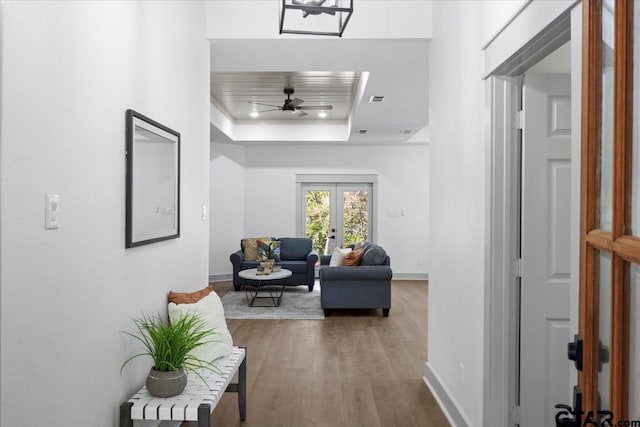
(295, 102)
(261, 103)
(316, 107)
(266, 111)
(300, 113)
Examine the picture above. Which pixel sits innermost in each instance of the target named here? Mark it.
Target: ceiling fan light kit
(315, 17)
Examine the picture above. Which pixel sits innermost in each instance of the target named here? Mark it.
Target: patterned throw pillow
(250, 247)
(264, 249)
(274, 250)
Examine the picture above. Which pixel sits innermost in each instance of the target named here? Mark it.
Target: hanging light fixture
(315, 17)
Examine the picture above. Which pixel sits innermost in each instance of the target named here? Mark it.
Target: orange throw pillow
(353, 258)
(189, 297)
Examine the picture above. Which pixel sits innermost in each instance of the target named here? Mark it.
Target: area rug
(297, 303)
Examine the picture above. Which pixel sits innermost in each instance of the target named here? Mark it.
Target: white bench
(198, 400)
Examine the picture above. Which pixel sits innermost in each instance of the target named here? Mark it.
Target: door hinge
(515, 416)
(518, 120)
(517, 267)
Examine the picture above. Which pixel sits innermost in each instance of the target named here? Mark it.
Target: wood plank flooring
(355, 368)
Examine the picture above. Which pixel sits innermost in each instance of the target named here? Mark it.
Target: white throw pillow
(210, 310)
(337, 256)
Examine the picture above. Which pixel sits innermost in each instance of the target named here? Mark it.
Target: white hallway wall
(269, 196)
(69, 72)
(227, 187)
(459, 176)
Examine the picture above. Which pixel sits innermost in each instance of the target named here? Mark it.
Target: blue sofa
(296, 254)
(366, 286)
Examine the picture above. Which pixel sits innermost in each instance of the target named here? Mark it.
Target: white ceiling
(257, 70)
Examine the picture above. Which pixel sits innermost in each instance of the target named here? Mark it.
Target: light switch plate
(51, 210)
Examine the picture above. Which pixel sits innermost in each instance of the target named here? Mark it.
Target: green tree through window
(318, 209)
(355, 217)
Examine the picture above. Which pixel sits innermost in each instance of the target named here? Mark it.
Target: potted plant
(170, 345)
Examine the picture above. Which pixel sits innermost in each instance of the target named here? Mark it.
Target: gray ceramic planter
(166, 384)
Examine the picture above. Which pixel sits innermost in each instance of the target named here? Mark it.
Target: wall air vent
(362, 131)
(376, 98)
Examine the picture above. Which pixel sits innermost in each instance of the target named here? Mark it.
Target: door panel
(546, 171)
(356, 213)
(609, 252)
(559, 182)
(318, 215)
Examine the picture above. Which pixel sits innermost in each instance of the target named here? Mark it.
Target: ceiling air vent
(407, 132)
(376, 98)
(362, 131)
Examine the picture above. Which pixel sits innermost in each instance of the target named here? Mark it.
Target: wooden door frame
(623, 248)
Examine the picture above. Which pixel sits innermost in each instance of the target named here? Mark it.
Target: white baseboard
(397, 276)
(220, 277)
(447, 403)
(411, 276)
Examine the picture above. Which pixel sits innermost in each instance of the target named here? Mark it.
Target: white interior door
(545, 239)
(335, 214)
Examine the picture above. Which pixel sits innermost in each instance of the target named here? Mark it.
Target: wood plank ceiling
(233, 92)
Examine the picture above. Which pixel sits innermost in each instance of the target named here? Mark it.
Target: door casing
(500, 370)
(302, 179)
(336, 223)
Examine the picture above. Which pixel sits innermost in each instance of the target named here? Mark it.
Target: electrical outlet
(461, 373)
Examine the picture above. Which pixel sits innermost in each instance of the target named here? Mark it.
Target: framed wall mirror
(153, 181)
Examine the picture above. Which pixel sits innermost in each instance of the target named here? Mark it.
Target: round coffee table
(271, 285)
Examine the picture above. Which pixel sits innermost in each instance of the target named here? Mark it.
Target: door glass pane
(317, 220)
(606, 137)
(355, 216)
(635, 154)
(634, 342)
(604, 328)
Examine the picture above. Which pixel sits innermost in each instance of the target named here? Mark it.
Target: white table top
(251, 274)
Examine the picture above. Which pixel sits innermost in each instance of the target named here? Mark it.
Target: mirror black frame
(161, 191)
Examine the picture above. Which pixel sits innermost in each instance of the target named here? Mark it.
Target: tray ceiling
(233, 92)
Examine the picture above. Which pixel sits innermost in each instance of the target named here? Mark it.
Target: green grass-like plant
(169, 345)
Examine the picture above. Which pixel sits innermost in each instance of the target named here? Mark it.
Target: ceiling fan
(293, 105)
(311, 7)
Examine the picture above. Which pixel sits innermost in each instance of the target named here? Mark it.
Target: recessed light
(322, 114)
(254, 114)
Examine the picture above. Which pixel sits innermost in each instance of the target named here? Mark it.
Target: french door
(609, 314)
(336, 214)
